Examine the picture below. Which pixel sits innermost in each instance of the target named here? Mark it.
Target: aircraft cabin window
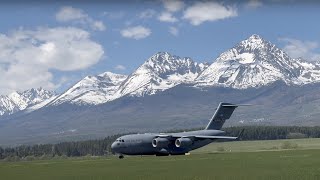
(122, 140)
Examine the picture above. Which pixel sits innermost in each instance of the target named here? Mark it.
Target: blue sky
(56, 44)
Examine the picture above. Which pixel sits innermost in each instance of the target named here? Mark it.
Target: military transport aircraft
(163, 144)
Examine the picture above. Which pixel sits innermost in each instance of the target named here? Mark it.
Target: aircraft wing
(215, 137)
(175, 136)
(198, 137)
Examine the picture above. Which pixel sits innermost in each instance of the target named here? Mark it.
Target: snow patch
(246, 58)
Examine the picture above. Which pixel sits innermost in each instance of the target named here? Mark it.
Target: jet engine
(183, 142)
(160, 142)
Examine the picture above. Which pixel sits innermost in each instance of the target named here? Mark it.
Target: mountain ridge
(253, 62)
(18, 101)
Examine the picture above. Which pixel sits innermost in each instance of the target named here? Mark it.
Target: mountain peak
(109, 74)
(38, 91)
(253, 62)
(112, 77)
(255, 37)
(160, 58)
(161, 54)
(165, 60)
(160, 72)
(252, 43)
(17, 101)
(93, 89)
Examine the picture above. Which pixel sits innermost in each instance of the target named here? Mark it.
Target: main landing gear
(121, 156)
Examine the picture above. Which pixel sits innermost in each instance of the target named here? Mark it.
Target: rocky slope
(18, 101)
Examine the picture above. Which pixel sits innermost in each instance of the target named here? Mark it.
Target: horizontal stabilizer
(236, 105)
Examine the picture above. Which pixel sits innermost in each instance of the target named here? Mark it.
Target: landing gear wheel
(121, 156)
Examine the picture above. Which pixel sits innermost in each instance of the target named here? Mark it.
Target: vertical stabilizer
(223, 112)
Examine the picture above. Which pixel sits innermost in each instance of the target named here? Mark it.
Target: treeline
(101, 147)
(273, 132)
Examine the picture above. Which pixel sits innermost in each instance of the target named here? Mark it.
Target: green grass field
(239, 160)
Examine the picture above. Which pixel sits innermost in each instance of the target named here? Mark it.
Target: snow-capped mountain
(253, 62)
(160, 72)
(92, 90)
(18, 101)
(310, 72)
(256, 62)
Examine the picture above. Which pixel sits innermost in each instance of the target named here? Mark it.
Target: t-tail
(223, 112)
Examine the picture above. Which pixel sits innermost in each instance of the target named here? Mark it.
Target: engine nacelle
(183, 142)
(160, 142)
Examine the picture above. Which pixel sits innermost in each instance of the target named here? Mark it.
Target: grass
(261, 162)
(254, 146)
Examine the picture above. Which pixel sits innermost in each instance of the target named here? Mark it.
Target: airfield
(272, 159)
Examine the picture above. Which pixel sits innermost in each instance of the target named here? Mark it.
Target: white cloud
(114, 15)
(173, 5)
(304, 49)
(208, 11)
(174, 31)
(136, 32)
(27, 57)
(68, 13)
(146, 14)
(75, 15)
(253, 4)
(120, 67)
(98, 26)
(167, 17)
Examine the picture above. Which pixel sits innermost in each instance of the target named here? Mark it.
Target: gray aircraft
(163, 144)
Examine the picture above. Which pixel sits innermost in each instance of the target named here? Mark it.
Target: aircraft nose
(114, 146)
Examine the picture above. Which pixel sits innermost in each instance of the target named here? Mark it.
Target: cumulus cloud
(304, 49)
(173, 5)
(174, 31)
(75, 15)
(146, 14)
(136, 32)
(253, 4)
(200, 12)
(27, 57)
(167, 17)
(120, 67)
